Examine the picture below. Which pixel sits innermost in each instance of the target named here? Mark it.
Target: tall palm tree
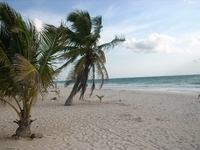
(84, 55)
(26, 63)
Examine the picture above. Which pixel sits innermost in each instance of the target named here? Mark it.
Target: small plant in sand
(100, 97)
(57, 92)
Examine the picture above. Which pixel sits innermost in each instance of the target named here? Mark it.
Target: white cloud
(44, 16)
(154, 43)
(195, 40)
(38, 24)
(196, 60)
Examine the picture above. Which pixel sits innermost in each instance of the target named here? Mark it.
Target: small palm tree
(26, 63)
(100, 97)
(84, 55)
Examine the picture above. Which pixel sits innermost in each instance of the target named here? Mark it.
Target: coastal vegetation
(84, 54)
(100, 97)
(28, 59)
(27, 63)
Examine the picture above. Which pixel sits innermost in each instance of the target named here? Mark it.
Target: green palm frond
(73, 52)
(80, 64)
(71, 77)
(81, 22)
(112, 44)
(97, 24)
(53, 40)
(8, 14)
(101, 72)
(14, 108)
(4, 57)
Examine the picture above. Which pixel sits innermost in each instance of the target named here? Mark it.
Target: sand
(124, 120)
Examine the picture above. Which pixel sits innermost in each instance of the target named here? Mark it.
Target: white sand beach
(124, 120)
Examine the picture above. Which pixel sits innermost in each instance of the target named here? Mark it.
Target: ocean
(179, 83)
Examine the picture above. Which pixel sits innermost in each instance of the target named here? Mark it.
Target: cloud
(154, 43)
(195, 40)
(43, 16)
(196, 60)
(38, 24)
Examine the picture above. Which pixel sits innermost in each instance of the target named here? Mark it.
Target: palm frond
(25, 70)
(80, 64)
(81, 22)
(8, 14)
(73, 52)
(71, 77)
(97, 24)
(14, 108)
(112, 44)
(53, 40)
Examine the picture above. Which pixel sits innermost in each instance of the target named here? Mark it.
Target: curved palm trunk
(80, 84)
(69, 100)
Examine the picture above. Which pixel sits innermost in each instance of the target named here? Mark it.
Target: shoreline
(165, 90)
(125, 119)
(177, 83)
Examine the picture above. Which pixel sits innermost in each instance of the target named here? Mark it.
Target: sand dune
(124, 120)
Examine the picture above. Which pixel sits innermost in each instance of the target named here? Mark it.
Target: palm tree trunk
(80, 83)
(69, 100)
(24, 129)
(25, 123)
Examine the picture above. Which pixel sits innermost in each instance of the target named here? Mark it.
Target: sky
(162, 36)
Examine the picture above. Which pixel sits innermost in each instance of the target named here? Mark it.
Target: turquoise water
(182, 83)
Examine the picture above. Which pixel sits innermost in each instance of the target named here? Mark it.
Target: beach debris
(100, 97)
(138, 119)
(37, 135)
(33, 136)
(53, 99)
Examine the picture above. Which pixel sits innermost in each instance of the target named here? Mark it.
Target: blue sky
(162, 36)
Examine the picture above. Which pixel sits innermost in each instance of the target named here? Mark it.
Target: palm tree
(84, 55)
(26, 63)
